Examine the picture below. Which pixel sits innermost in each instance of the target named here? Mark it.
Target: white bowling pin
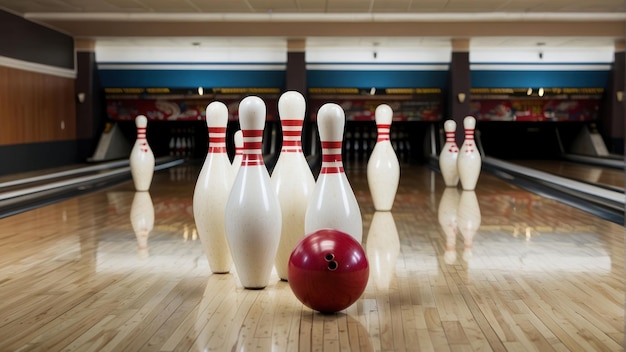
(449, 155)
(292, 178)
(179, 146)
(383, 168)
(253, 215)
(141, 157)
(212, 191)
(142, 220)
(468, 220)
(447, 215)
(469, 161)
(238, 152)
(383, 248)
(333, 204)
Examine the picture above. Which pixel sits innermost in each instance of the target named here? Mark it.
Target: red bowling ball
(328, 270)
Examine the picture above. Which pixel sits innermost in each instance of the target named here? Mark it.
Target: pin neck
(141, 133)
(469, 134)
(450, 137)
(141, 139)
(217, 140)
(331, 157)
(252, 144)
(292, 136)
(383, 132)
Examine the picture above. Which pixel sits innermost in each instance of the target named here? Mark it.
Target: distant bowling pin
(253, 215)
(468, 220)
(238, 151)
(449, 155)
(212, 191)
(292, 178)
(333, 204)
(141, 157)
(383, 168)
(469, 161)
(142, 220)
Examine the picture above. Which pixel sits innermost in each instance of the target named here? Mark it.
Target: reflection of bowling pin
(212, 190)
(142, 220)
(448, 156)
(141, 157)
(216, 337)
(447, 214)
(253, 217)
(382, 247)
(333, 204)
(292, 178)
(468, 220)
(383, 169)
(238, 151)
(469, 161)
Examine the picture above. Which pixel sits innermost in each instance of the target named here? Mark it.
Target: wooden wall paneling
(33, 107)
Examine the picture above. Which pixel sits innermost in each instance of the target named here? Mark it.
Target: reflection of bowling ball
(328, 270)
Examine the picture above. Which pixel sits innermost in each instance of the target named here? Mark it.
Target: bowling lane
(598, 175)
(24, 191)
(495, 269)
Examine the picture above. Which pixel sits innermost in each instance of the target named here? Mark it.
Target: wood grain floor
(525, 274)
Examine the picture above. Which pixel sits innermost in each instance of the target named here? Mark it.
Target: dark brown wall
(37, 110)
(90, 114)
(33, 107)
(459, 82)
(296, 72)
(24, 40)
(611, 123)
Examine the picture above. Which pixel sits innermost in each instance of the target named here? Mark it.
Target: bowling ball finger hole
(328, 257)
(332, 265)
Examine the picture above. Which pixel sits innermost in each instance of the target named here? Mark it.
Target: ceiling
(386, 22)
(311, 6)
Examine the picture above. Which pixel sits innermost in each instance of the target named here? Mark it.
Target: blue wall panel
(540, 78)
(191, 78)
(171, 78)
(378, 79)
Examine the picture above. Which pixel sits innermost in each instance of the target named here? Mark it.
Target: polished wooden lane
(581, 172)
(535, 275)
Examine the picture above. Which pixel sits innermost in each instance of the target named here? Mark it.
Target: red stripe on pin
(217, 140)
(331, 170)
(331, 144)
(331, 158)
(292, 123)
(252, 145)
(288, 133)
(217, 150)
(217, 129)
(252, 133)
(288, 143)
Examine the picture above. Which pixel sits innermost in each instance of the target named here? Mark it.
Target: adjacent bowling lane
(494, 269)
(602, 176)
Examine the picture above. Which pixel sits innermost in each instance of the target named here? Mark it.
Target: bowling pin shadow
(458, 213)
(382, 248)
(142, 221)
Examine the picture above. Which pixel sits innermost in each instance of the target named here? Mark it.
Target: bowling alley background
(64, 93)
